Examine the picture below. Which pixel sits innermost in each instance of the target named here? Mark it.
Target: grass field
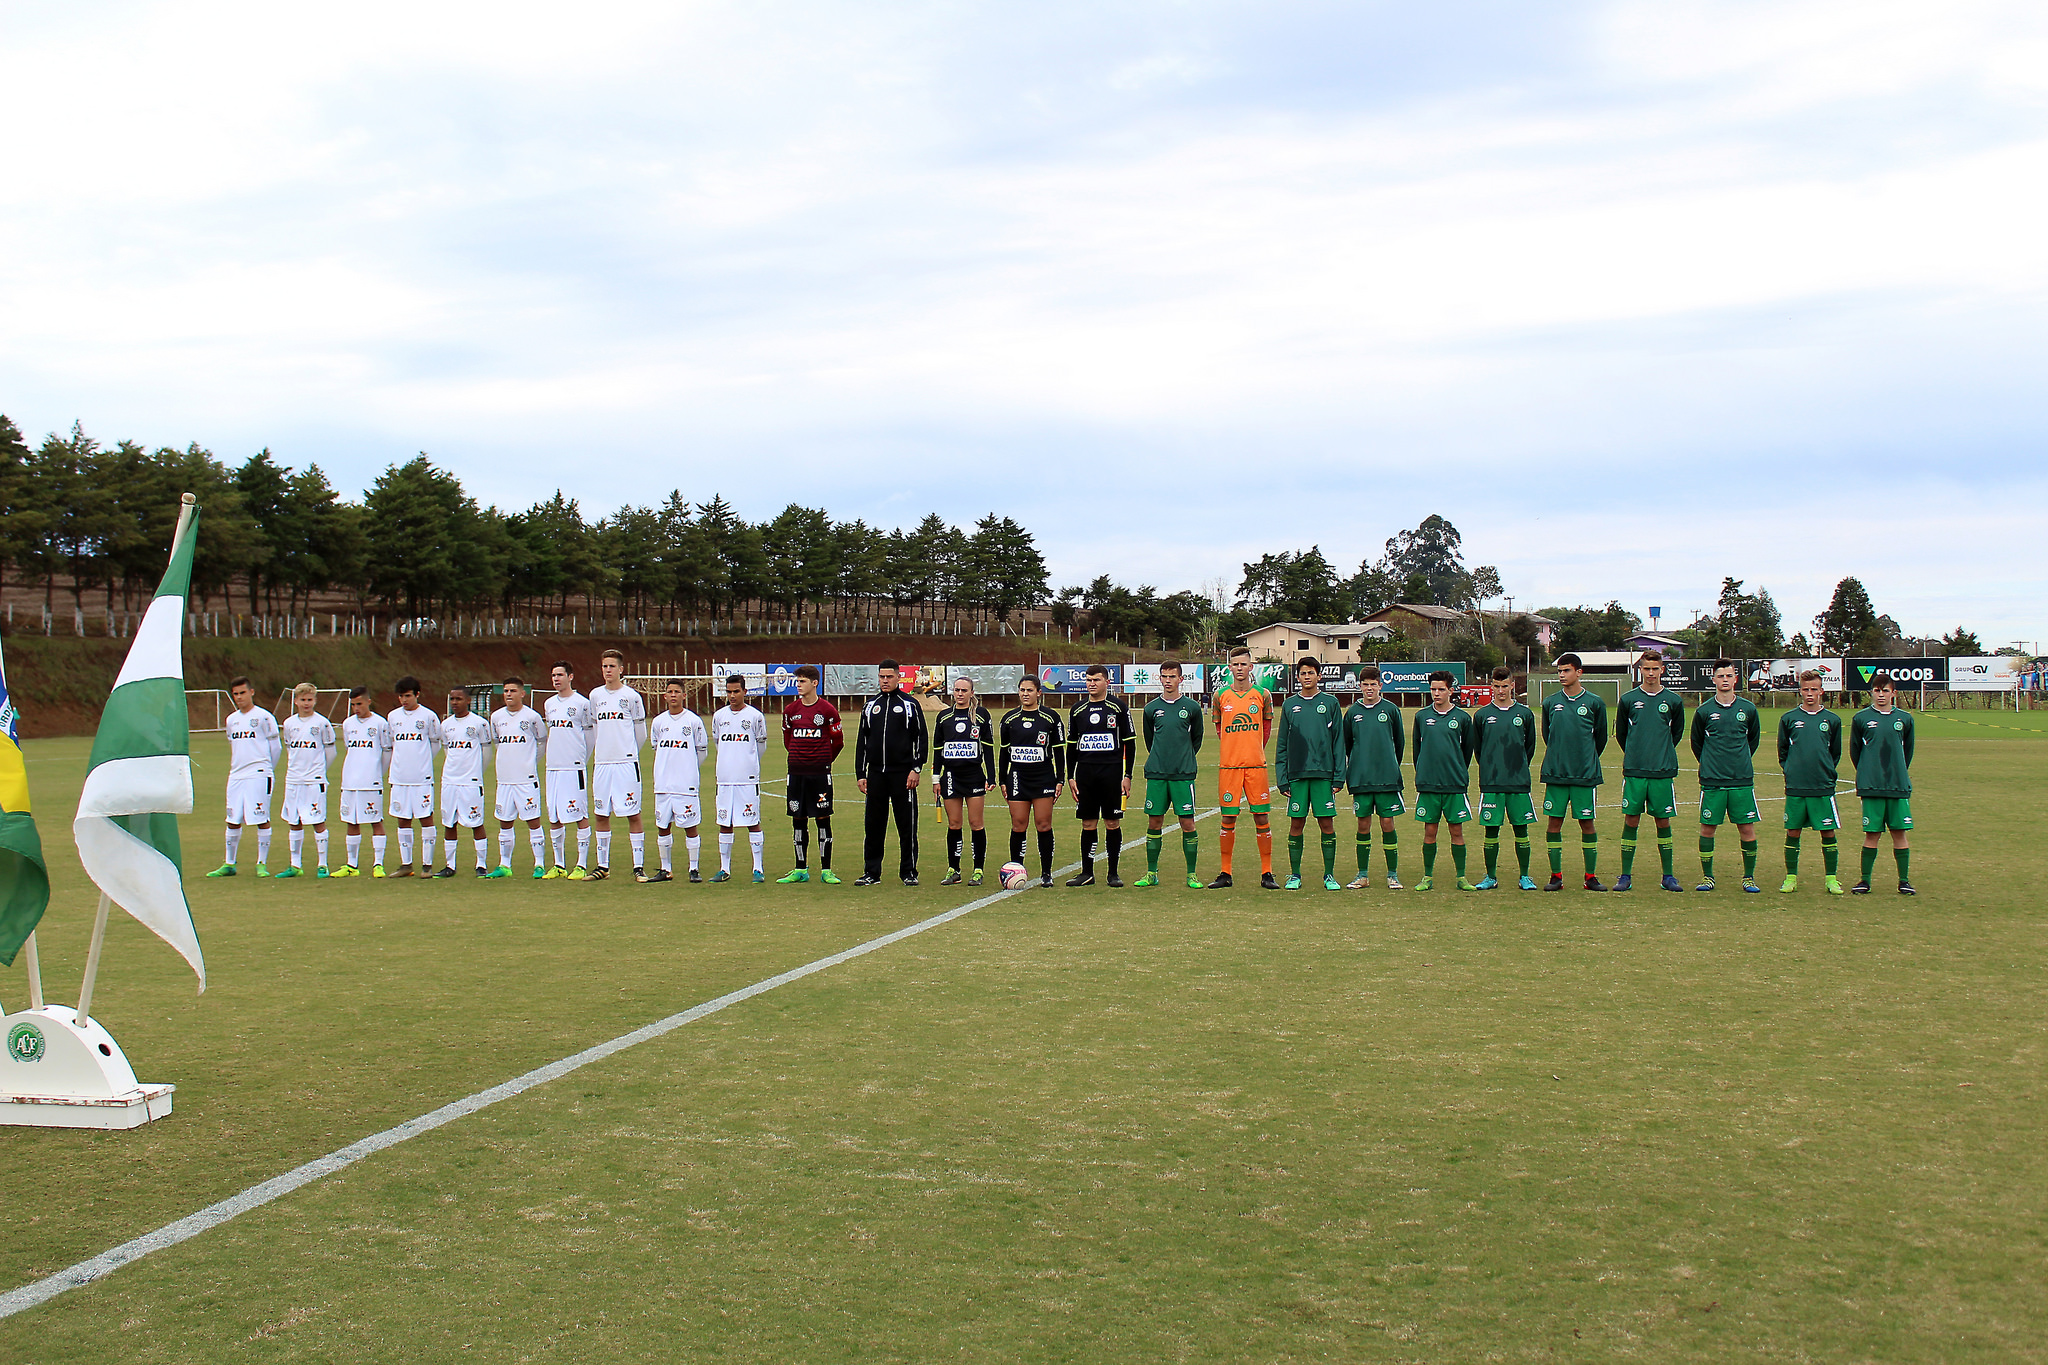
(1091, 1125)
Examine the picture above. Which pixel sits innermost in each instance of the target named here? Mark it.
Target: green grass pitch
(1082, 1125)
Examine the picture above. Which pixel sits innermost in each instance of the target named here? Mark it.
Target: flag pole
(35, 974)
(80, 1016)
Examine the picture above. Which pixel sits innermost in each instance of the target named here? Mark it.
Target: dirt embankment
(60, 684)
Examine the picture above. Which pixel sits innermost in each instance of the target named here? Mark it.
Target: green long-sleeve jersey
(1809, 750)
(1648, 726)
(1724, 740)
(1505, 743)
(1309, 741)
(1173, 736)
(1373, 744)
(1881, 747)
(1574, 733)
(1443, 750)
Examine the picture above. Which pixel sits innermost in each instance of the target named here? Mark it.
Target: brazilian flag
(24, 885)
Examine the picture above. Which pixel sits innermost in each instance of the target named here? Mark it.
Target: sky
(1638, 295)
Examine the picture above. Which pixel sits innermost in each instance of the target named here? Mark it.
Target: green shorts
(1365, 804)
(1721, 805)
(1506, 808)
(1886, 812)
(1436, 807)
(1576, 802)
(1811, 812)
(1310, 796)
(1164, 795)
(1650, 796)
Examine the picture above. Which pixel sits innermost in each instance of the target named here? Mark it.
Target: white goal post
(206, 709)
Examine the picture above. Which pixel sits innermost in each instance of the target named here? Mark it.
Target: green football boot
(791, 878)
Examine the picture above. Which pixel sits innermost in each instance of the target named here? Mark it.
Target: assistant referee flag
(140, 774)
(24, 885)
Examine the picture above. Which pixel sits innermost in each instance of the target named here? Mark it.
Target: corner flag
(24, 885)
(140, 773)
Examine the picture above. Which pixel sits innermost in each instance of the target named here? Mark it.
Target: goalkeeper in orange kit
(1244, 721)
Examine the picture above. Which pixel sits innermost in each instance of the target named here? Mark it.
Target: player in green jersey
(1574, 733)
(1373, 742)
(1648, 726)
(1308, 768)
(1443, 772)
(1809, 748)
(1173, 736)
(1504, 739)
(1725, 732)
(1881, 748)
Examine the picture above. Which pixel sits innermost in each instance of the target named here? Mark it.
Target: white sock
(725, 853)
(754, 839)
(665, 844)
(298, 843)
(604, 849)
(639, 843)
(505, 847)
(405, 846)
(355, 848)
(539, 843)
(583, 848)
(320, 845)
(430, 849)
(263, 847)
(560, 839)
(234, 845)
(479, 842)
(693, 846)
(378, 843)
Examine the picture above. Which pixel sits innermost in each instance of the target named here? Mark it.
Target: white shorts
(615, 789)
(518, 801)
(305, 803)
(462, 803)
(568, 802)
(412, 801)
(362, 808)
(673, 808)
(739, 803)
(249, 801)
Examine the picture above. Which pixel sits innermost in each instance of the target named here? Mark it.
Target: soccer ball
(1014, 876)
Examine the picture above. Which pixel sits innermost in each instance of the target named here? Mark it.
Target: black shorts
(959, 783)
(1101, 791)
(1031, 784)
(810, 795)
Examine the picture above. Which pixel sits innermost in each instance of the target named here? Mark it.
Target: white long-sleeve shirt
(309, 747)
(365, 753)
(520, 737)
(619, 724)
(680, 743)
(742, 739)
(415, 739)
(464, 742)
(253, 745)
(568, 731)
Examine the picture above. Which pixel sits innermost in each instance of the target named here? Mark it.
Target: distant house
(1419, 620)
(1330, 644)
(1668, 646)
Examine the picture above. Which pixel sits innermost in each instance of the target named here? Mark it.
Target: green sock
(1458, 859)
(1664, 850)
(1707, 856)
(1830, 854)
(1329, 853)
(1791, 856)
(1364, 854)
(1553, 844)
(1522, 847)
(1492, 845)
(1428, 859)
(1589, 844)
(1749, 857)
(1190, 848)
(1390, 843)
(1869, 863)
(1628, 850)
(1294, 853)
(1152, 843)
(1903, 856)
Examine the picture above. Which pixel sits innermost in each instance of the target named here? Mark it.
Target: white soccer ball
(1014, 876)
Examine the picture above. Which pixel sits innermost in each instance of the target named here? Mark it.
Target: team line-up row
(587, 749)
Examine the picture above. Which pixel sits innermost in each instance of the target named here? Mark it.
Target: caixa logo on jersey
(1906, 672)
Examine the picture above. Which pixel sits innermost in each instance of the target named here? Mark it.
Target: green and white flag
(140, 775)
(24, 885)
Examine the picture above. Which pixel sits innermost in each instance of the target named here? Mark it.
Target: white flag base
(56, 1074)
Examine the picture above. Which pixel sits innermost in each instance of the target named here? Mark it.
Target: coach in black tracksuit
(888, 752)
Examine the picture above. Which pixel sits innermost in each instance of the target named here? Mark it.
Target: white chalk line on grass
(256, 1196)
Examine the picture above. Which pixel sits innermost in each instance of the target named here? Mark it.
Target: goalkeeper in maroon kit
(812, 738)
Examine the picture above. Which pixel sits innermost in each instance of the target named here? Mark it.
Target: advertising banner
(1696, 675)
(1145, 678)
(1908, 673)
(1073, 677)
(990, 680)
(1782, 675)
(2000, 674)
(1272, 678)
(780, 679)
(1475, 694)
(1411, 677)
(851, 680)
(755, 674)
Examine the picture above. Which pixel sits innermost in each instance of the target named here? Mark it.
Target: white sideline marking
(256, 1196)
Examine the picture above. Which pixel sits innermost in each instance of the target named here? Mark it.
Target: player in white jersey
(253, 751)
(365, 760)
(415, 739)
(568, 716)
(680, 743)
(618, 719)
(309, 745)
(465, 739)
(519, 734)
(742, 738)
